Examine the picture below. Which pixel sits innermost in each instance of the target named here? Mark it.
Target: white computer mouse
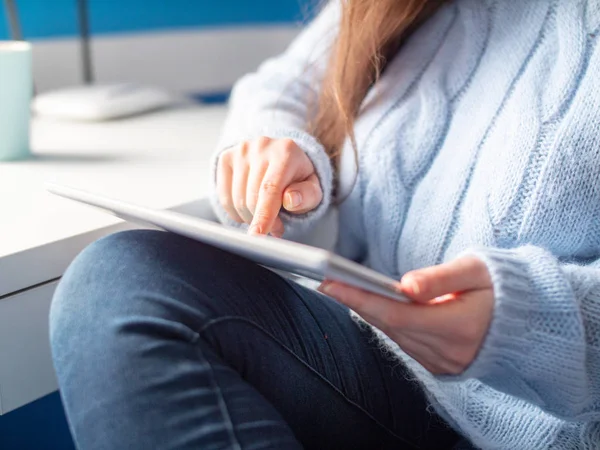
(100, 102)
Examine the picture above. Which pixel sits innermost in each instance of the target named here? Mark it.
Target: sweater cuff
(295, 224)
(508, 344)
(506, 336)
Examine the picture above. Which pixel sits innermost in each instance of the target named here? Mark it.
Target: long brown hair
(370, 33)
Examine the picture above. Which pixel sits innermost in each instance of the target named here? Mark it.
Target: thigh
(328, 376)
(325, 375)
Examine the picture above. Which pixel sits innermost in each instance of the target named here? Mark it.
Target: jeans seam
(247, 321)
(222, 406)
(354, 361)
(301, 299)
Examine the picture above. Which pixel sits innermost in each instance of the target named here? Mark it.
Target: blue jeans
(161, 342)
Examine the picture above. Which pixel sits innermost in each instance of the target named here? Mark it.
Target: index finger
(270, 198)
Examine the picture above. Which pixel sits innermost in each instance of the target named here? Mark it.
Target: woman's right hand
(256, 179)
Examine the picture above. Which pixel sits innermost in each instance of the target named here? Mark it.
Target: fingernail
(292, 199)
(413, 283)
(254, 229)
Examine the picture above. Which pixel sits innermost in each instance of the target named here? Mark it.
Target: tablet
(275, 253)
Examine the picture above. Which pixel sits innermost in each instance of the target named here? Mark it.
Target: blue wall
(58, 18)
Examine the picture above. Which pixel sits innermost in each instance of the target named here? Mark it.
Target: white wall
(192, 61)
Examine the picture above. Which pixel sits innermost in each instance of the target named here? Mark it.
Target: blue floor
(41, 425)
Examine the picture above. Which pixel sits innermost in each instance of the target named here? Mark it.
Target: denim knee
(141, 274)
(95, 287)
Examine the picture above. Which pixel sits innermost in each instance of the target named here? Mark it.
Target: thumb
(303, 196)
(461, 275)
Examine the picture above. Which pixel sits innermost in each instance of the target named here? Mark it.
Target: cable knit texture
(482, 136)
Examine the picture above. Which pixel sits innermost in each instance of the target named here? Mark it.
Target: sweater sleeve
(276, 102)
(544, 340)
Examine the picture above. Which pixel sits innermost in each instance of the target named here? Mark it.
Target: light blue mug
(16, 86)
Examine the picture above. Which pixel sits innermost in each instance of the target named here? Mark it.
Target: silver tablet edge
(354, 274)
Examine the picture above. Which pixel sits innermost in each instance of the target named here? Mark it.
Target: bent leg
(162, 342)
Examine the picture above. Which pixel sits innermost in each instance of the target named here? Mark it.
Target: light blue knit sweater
(483, 135)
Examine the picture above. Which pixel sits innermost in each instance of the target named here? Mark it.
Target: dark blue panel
(210, 98)
(41, 425)
(54, 18)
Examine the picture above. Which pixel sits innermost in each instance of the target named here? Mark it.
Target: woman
(459, 143)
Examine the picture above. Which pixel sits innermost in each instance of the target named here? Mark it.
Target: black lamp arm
(84, 37)
(12, 16)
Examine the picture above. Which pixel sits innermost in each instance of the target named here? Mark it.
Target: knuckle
(288, 148)
(260, 149)
(288, 144)
(270, 187)
(262, 141)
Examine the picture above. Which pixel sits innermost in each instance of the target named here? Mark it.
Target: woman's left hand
(444, 328)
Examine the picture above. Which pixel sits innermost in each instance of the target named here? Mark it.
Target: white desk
(160, 160)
